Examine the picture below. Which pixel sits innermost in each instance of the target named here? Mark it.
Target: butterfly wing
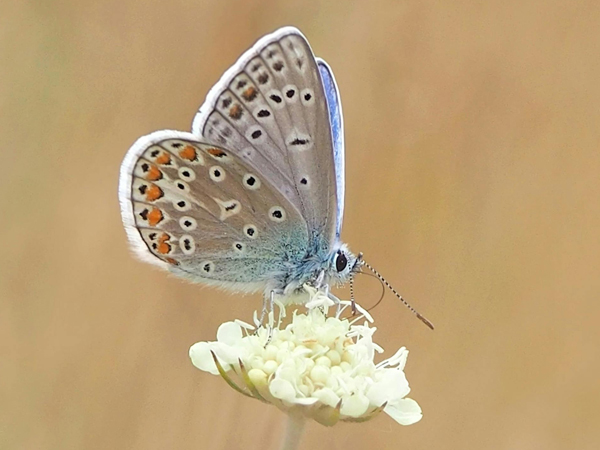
(204, 213)
(272, 110)
(336, 120)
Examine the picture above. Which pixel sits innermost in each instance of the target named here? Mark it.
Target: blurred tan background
(473, 184)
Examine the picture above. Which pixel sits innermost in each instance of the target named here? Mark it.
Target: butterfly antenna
(352, 295)
(413, 310)
(382, 290)
(358, 263)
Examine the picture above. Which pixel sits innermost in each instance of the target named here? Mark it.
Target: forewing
(204, 213)
(270, 109)
(336, 119)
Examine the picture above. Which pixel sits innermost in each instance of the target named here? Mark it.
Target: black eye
(341, 262)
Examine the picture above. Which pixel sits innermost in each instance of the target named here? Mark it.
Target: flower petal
(229, 333)
(398, 359)
(390, 387)
(327, 397)
(321, 301)
(202, 359)
(258, 377)
(305, 401)
(405, 411)
(355, 405)
(282, 389)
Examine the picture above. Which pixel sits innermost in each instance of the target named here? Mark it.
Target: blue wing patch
(337, 133)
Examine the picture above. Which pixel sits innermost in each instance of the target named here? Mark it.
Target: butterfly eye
(341, 262)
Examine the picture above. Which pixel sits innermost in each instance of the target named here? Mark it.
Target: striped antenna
(413, 310)
(352, 294)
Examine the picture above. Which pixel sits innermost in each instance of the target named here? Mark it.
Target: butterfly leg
(267, 307)
(321, 284)
(319, 280)
(272, 302)
(338, 303)
(263, 313)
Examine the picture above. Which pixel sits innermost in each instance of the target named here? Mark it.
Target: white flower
(317, 365)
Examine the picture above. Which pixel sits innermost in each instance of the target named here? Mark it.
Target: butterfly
(253, 198)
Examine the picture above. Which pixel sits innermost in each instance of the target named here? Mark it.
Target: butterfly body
(252, 199)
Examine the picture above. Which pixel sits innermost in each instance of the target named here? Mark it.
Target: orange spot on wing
(216, 152)
(163, 158)
(155, 216)
(163, 246)
(189, 153)
(250, 94)
(154, 173)
(153, 193)
(172, 261)
(235, 112)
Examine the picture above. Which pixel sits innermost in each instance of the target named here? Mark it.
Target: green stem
(293, 431)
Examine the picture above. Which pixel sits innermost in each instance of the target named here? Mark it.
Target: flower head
(318, 365)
